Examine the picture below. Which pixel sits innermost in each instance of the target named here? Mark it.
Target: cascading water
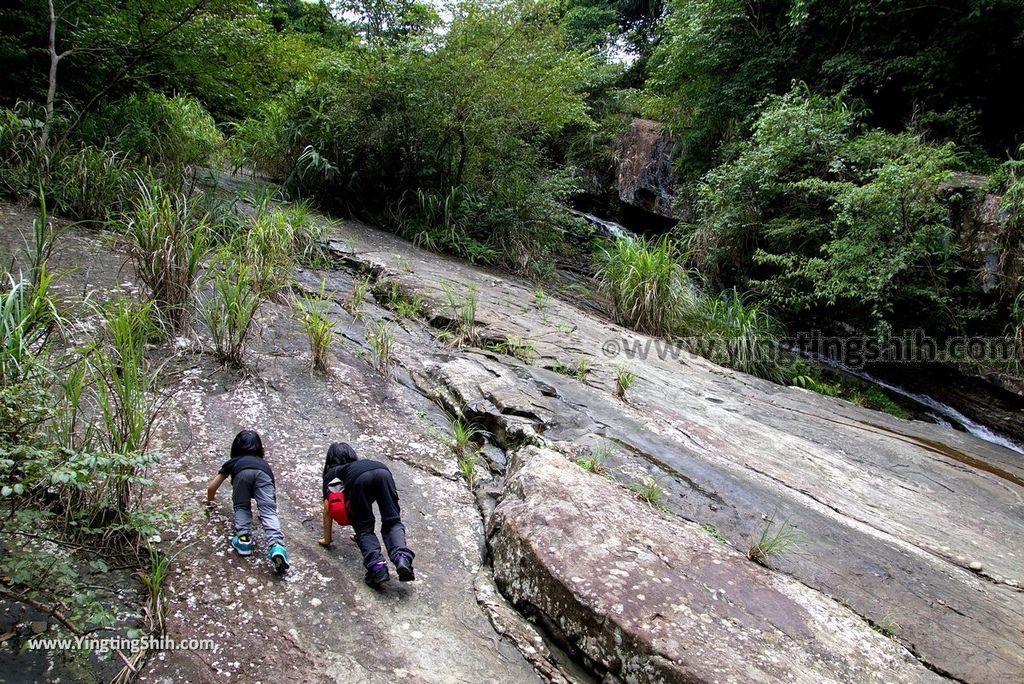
(937, 411)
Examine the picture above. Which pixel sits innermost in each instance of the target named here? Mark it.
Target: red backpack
(338, 508)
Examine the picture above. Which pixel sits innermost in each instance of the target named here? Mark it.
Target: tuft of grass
(624, 379)
(381, 338)
(463, 311)
(154, 580)
(582, 369)
(774, 543)
(650, 492)
(467, 466)
(392, 296)
(464, 436)
(647, 284)
(887, 626)
(540, 299)
(359, 291)
(598, 461)
(312, 313)
(517, 347)
(166, 238)
(229, 309)
(715, 534)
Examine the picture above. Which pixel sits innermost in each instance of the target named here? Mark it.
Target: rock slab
(648, 597)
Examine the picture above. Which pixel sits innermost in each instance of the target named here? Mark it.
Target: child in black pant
(363, 482)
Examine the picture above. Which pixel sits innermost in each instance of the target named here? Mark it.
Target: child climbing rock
(251, 478)
(363, 482)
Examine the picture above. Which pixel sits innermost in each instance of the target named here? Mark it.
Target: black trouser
(376, 485)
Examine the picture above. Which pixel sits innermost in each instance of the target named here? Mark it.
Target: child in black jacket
(363, 482)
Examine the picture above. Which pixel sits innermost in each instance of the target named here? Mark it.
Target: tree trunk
(51, 91)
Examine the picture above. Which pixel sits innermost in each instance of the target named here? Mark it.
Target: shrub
(166, 237)
(647, 284)
(229, 308)
(819, 215)
(170, 132)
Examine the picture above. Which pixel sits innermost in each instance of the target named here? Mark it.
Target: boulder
(647, 597)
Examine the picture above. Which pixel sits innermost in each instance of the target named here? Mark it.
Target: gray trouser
(256, 484)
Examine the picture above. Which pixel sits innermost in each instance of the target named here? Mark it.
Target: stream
(940, 413)
(937, 411)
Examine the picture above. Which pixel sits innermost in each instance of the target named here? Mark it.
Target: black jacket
(349, 472)
(240, 463)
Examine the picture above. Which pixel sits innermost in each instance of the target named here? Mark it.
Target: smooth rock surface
(651, 598)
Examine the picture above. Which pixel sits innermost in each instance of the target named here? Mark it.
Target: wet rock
(649, 598)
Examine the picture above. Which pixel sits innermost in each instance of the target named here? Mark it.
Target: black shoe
(377, 574)
(403, 566)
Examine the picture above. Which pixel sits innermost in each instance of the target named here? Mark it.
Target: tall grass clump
(381, 338)
(28, 317)
(90, 184)
(312, 311)
(462, 329)
(167, 237)
(126, 389)
(228, 307)
(647, 284)
(276, 239)
(736, 334)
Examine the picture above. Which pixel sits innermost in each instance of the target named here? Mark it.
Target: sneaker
(242, 543)
(403, 566)
(279, 557)
(377, 574)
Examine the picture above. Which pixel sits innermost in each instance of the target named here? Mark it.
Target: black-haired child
(363, 482)
(252, 478)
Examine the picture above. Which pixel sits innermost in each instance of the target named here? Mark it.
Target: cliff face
(981, 227)
(645, 177)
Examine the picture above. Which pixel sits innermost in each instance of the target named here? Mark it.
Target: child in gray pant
(251, 478)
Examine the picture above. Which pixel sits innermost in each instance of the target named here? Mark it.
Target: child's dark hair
(247, 443)
(339, 453)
